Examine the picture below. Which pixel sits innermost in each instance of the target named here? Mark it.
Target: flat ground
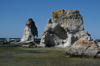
(14, 55)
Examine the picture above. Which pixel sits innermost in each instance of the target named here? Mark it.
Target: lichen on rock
(80, 48)
(64, 28)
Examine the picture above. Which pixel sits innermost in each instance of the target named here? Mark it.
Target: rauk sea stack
(30, 32)
(63, 29)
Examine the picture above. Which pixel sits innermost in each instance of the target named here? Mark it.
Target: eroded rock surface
(83, 49)
(30, 32)
(63, 29)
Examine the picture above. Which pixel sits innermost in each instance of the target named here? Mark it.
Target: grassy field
(14, 55)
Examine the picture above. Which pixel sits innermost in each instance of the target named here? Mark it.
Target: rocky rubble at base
(63, 29)
(87, 49)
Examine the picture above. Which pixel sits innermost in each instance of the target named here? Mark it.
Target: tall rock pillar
(30, 32)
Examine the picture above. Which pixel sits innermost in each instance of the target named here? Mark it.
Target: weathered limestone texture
(83, 49)
(63, 29)
(98, 43)
(30, 32)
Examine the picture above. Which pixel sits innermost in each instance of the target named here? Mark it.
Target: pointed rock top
(30, 20)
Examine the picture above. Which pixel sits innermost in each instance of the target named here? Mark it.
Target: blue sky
(15, 13)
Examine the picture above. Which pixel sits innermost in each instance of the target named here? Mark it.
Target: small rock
(25, 46)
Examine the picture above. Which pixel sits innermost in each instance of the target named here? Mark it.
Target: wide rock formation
(63, 29)
(30, 32)
(83, 49)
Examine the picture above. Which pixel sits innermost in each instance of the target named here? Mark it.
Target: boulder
(63, 29)
(30, 32)
(83, 48)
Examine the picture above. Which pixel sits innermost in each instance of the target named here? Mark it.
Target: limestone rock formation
(83, 49)
(30, 32)
(63, 29)
(98, 43)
